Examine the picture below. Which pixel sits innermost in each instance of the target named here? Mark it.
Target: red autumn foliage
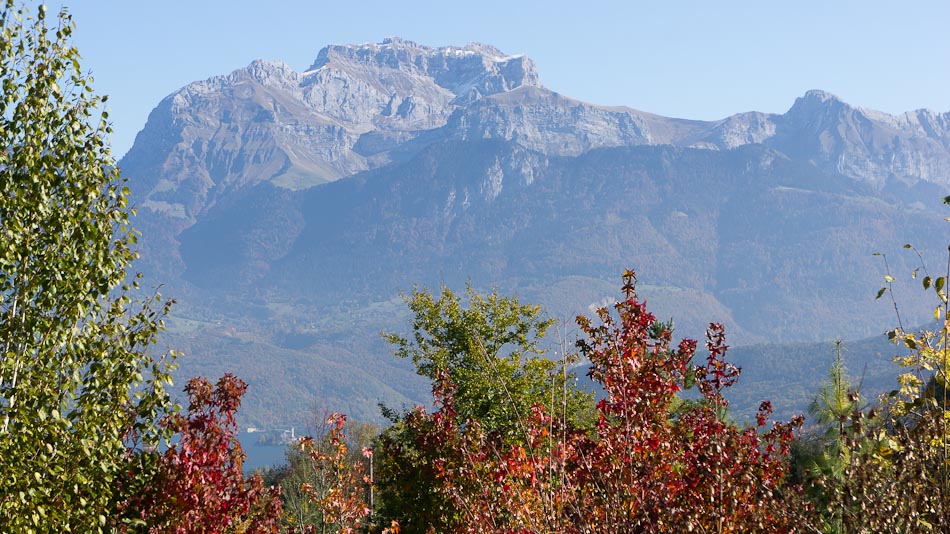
(652, 463)
(200, 487)
(339, 485)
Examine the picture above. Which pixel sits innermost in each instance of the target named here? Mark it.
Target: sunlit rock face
(360, 107)
(268, 122)
(866, 145)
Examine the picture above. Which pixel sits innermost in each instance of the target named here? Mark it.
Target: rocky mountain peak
(272, 73)
(360, 107)
(819, 95)
(469, 72)
(269, 123)
(816, 102)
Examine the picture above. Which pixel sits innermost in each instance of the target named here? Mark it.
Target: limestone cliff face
(371, 106)
(547, 122)
(361, 107)
(866, 145)
(270, 123)
(217, 136)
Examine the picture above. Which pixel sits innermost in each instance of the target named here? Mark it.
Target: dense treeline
(511, 446)
(90, 441)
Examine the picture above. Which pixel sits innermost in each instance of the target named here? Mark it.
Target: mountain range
(287, 211)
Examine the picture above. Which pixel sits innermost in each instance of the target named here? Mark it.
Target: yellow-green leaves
(72, 344)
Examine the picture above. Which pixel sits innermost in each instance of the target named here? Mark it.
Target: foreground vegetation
(90, 441)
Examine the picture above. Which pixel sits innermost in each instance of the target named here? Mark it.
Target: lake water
(260, 456)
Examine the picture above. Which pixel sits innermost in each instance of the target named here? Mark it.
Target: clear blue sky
(682, 58)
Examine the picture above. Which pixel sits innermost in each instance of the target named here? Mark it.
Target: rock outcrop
(360, 107)
(269, 123)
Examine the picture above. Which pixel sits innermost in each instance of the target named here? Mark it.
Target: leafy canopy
(76, 381)
(490, 351)
(642, 468)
